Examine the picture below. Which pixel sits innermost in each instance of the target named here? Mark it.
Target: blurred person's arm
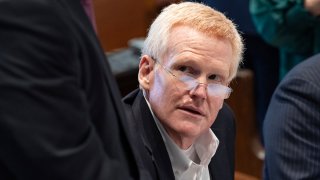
(313, 6)
(284, 23)
(46, 129)
(291, 126)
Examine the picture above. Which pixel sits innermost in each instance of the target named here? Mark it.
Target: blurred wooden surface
(119, 21)
(242, 103)
(241, 176)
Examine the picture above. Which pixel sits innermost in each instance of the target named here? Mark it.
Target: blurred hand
(313, 6)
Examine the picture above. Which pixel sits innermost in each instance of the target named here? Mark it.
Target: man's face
(185, 113)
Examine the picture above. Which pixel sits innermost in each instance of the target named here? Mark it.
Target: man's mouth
(192, 110)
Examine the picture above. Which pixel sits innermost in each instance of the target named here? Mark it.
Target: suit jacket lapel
(152, 138)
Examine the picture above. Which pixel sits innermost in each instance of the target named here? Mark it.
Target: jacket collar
(150, 134)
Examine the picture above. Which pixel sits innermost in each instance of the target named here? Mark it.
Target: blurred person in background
(293, 26)
(61, 115)
(292, 125)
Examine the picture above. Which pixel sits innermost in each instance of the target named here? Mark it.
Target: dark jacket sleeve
(291, 127)
(285, 24)
(45, 127)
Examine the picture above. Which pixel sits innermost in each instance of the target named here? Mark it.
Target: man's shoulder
(225, 118)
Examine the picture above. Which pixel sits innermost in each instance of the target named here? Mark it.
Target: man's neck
(181, 141)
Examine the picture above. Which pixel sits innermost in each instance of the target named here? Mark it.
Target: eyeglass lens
(215, 90)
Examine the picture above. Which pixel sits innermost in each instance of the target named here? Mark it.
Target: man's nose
(200, 91)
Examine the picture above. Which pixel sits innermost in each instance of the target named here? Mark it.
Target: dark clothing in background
(61, 115)
(292, 125)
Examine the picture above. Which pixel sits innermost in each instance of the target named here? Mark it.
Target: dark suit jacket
(155, 158)
(61, 115)
(292, 125)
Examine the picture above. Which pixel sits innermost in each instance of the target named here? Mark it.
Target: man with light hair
(191, 54)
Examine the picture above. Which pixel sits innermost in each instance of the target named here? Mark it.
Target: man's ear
(145, 72)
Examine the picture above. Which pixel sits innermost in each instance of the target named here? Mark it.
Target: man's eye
(183, 68)
(215, 77)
